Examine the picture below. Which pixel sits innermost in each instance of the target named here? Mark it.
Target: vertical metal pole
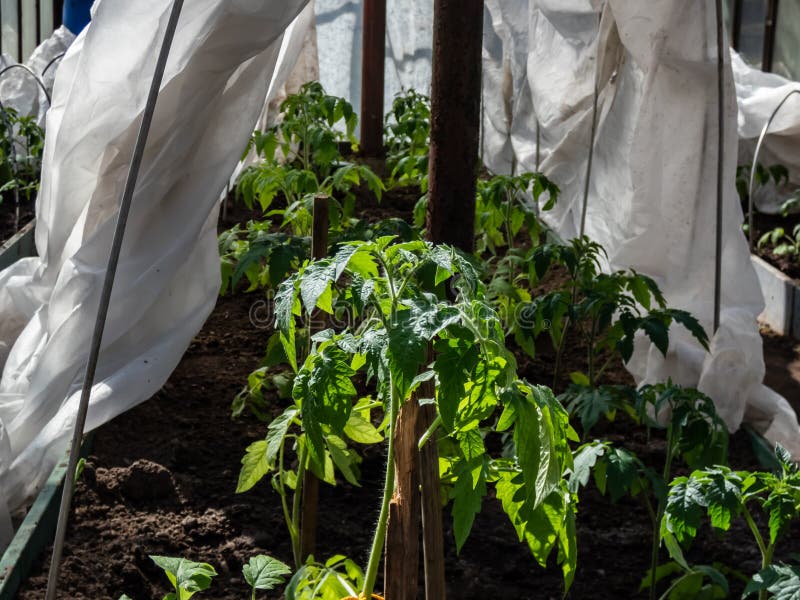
(105, 297)
(770, 30)
(455, 121)
(58, 13)
(736, 33)
(720, 162)
(38, 7)
(20, 58)
(590, 161)
(373, 58)
(453, 174)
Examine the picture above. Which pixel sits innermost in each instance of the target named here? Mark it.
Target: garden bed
(161, 480)
(779, 276)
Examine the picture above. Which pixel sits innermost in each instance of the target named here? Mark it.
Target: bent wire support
(761, 138)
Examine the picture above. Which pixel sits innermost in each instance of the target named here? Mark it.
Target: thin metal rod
(751, 185)
(32, 74)
(52, 62)
(590, 161)
(105, 296)
(720, 162)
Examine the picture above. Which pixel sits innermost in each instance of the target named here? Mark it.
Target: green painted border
(33, 535)
(21, 245)
(37, 530)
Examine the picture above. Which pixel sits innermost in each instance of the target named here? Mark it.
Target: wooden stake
(373, 57)
(401, 568)
(319, 250)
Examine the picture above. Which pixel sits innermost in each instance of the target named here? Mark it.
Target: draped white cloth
(221, 66)
(652, 192)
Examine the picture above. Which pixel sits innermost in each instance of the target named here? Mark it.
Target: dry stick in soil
(319, 250)
(372, 77)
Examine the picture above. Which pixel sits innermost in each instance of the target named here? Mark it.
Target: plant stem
(282, 491)
(509, 238)
(559, 352)
(590, 352)
(430, 431)
(660, 512)
(297, 505)
(766, 551)
(388, 490)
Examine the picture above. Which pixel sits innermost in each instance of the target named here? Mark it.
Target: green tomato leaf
(265, 573)
(254, 466)
(187, 577)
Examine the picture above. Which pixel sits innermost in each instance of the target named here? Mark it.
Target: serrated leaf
(265, 573)
(684, 509)
(345, 459)
(585, 459)
(467, 501)
(254, 466)
(362, 431)
(187, 577)
(276, 432)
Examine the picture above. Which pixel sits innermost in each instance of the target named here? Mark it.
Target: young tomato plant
(608, 309)
(723, 495)
(338, 578)
(508, 206)
(262, 573)
(695, 434)
(301, 158)
(187, 577)
(399, 307)
(508, 229)
(782, 243)
(263, 257)
(408, 130)
(20, 154)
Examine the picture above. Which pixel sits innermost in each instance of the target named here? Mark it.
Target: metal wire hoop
(761, 138)
(27, 69)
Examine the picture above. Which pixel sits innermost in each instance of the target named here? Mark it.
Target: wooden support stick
(319, 250)
(402, 535)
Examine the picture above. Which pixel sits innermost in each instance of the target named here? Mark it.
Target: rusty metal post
(453, 174)
(373, 58)
(455, 121)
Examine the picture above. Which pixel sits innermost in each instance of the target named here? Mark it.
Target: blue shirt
(77, 14)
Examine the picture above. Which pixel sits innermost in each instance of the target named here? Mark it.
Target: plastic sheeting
(759, 94)
(409, 34)
(652, 194)
(20, 91)
(220, 69)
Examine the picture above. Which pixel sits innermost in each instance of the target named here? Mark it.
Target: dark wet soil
(161, 480)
